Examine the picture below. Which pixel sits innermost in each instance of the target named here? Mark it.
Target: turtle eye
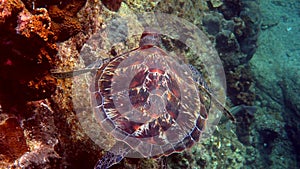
(113, 51)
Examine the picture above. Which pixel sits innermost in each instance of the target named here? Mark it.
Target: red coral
(64, 24)
(38, 24)
(27, 53)
(9, 8)
(12, 142)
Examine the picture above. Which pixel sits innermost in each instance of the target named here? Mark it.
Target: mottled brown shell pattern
(149, 100)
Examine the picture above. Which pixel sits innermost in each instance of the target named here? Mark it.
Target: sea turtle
(148, 101)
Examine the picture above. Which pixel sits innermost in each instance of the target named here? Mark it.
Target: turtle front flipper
(202, 85)
(224, 110)
(69, 74)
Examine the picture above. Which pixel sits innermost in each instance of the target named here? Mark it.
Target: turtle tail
(108, 160)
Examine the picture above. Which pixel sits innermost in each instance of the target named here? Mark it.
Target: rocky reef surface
(38, 123)
(275, 67)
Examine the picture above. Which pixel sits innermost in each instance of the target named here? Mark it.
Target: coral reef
(28, 46)
(239, 86)
(235, 30)
(28, 51)
(64, 22)
(192, 11)
(238, 26)
(222, 150)
(13, 142)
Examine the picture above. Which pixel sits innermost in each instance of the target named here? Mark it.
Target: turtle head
(149, 38)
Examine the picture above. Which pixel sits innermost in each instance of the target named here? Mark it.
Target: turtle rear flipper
(114, 156)
(108, 160)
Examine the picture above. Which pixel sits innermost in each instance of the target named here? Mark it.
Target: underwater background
(257, 41)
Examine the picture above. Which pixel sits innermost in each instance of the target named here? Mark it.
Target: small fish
(248, 109)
